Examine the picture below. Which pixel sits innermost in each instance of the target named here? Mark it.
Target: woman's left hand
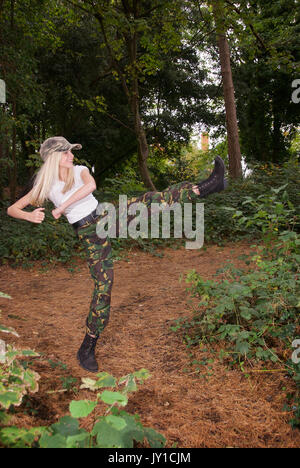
(57, 213)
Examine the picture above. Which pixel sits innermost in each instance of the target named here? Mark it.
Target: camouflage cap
(54, 144)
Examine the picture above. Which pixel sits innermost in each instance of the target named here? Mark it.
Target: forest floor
(223, 409)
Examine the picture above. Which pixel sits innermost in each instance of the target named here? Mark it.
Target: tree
(234, 151)
(20, 37)
(265, 65)
(135, 32)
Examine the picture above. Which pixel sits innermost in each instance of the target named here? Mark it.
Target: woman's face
(66, 159)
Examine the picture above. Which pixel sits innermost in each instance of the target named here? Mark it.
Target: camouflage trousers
(99, 254)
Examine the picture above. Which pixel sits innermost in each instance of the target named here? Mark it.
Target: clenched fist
(57, 213)
(37, 216)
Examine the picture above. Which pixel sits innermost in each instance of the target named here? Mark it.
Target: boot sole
(84, 367)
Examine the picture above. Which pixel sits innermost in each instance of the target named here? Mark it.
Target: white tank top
(79, 209)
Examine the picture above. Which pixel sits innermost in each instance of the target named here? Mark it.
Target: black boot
(215, 182)
(86, 354)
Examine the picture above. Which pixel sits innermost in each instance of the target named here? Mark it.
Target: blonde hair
(47, 175)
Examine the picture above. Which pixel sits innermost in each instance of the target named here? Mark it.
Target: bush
(255, 314)
(15, 381)
(262, 186)
(54, 241)
(115, 429)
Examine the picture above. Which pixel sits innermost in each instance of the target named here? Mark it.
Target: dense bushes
(55, 241)
(254, 313)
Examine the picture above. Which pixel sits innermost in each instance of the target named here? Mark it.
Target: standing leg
(99, 257)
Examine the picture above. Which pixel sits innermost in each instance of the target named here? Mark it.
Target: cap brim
(76, 146)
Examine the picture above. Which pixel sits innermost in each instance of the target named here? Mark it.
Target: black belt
(90, 219)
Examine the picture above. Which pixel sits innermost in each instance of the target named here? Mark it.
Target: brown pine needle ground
(225, 409)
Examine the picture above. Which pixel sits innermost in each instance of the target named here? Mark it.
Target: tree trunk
(1, 169)
(13, 169)
(143, 153)
(234, 151)
(278, 146)
(142, 144)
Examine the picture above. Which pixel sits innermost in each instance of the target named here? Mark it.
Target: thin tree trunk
(13, 169)
(234, 150)
(278, 147)
(1, 169)
(143, 148)
(143, 151)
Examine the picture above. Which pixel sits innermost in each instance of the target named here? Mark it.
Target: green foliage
(116, 428)
(127, 183)
(272, 213)
(255, 313)
(53, 241)
(15, 380)
(263, 78)
(273, 188)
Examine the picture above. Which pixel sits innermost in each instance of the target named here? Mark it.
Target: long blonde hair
(47, 175)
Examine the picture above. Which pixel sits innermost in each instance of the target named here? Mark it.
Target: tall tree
(20, 37)
(234, 150)
(265, 64)
(135, 32)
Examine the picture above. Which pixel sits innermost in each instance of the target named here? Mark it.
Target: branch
(119, 121)
(238, 11)
(103, 75)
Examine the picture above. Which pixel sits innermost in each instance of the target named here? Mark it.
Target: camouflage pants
(99, 254)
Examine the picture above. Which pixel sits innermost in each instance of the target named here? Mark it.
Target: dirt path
(225, 410)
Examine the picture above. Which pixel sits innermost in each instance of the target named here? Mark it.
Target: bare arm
(16, 210)
(88, 187)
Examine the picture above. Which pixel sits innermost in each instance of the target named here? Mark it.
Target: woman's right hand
(37, 216)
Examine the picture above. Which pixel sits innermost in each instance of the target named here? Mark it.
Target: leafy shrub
(255, 313)
(55, 241)
(116, 428)
(15, 381)
(52, 241)
(262, 186)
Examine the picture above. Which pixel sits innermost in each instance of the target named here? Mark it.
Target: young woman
(70, 189)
